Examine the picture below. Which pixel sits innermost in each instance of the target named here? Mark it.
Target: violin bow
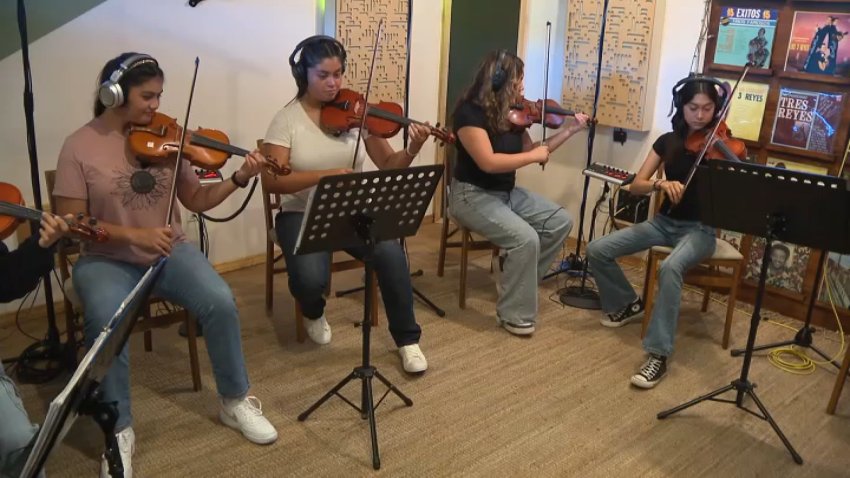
(180, 147)
(366, 95)
(545, 86)
(723, 112)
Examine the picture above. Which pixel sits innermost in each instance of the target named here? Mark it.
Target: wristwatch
(236, 181)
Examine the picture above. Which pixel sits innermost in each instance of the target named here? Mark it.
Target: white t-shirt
(310, 149)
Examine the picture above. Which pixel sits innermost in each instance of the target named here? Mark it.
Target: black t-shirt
(677, 164)
(466, 170)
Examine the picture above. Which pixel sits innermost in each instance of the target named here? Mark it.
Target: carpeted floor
(491, 404)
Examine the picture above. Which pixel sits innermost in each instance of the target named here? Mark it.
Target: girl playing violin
(97, 173)
(529, 229)
(296, 139)
(697, 105)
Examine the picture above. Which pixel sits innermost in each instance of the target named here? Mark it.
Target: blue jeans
(16, 431)
(529, 229)
(309, 274)
(691, 242)
(187, 279)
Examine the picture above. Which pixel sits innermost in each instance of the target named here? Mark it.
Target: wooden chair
(839, 383)
(165, 313)
(466, 243)
(275, 263)
(706, 275)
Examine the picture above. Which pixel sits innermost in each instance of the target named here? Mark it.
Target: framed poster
(747, 110)
(745, 35)
(795, 166)
(819, 44)
(837, 272)
(787, 267)
(807, 120)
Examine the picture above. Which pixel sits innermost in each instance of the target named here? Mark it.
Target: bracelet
(236, 182)
(407, 150)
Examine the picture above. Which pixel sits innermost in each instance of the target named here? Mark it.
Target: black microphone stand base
(580, 298)
(742, 387)
(803, 338)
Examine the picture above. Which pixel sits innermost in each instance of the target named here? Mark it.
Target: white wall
(243, 80)
(678, 22)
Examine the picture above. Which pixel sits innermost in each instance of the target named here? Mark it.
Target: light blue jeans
(529, 229)
(16, 431)
(187, 279)
(691, 242)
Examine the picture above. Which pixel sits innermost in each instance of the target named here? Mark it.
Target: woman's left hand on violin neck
(253, 165)
(418, 135)
(581, 122)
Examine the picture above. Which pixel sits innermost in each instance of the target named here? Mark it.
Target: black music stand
(356, 210)
(82, 394)
(802, 208)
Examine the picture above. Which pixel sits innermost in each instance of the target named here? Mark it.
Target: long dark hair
(495, 99)
(133, 77)
(685, 95)
(314, 50)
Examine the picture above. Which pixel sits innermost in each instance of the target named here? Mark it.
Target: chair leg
(148, 341)
(269, 278)
(444, 237)
(730, 304)
(706, 296)
(300, 331)
(464, 259)
(192, 339)
(652, 275)
(839, 384)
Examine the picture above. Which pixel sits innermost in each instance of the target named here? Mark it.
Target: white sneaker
(127, 446)
(246, 415)
(319, 330)
(412, 359)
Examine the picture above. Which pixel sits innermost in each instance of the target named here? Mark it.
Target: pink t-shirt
(96, 165)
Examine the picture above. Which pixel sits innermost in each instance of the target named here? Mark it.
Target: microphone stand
(50, 350)
(582, 297)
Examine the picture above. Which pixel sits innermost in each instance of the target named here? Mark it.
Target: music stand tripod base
(357, 210)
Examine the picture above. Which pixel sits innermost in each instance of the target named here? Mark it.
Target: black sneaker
(652, 371)
(629, 313)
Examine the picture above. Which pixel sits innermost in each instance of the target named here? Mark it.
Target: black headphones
(697, 78)
(500, 74)
(299, 71)
(110, 93)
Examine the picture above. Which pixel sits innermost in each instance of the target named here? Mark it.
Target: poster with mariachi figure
(745, 35)
(819, 44)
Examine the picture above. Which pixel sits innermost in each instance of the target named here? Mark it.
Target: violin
(723, 147)
(527, 112)
(384, 119)
(205, 148)
(13, 212)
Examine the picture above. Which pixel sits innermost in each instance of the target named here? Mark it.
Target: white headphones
(110, 93)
